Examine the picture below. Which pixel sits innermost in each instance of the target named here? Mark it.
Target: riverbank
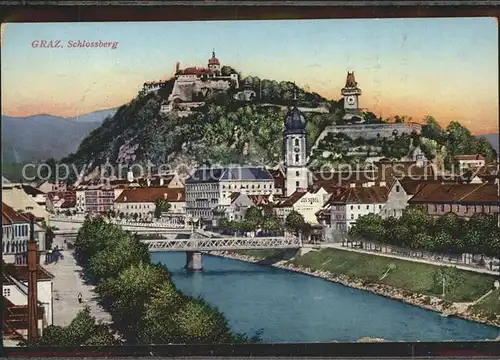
(308, 265)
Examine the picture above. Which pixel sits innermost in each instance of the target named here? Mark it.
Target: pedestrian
(79, 298)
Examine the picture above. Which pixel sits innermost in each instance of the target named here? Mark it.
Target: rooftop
(151, 194)
(361, 195)
(470, 157)
(20, 272)
(10, 216)
(457, 194)
(229, 173)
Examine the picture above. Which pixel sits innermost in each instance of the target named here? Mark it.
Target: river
(292, 307)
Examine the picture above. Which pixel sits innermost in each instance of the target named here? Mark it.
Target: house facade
(352, 203)
(16, 233)
(239, 206)
(14, 196)
(141, 201)
(467, 162)
(305, 202)
(61, 201)
(464, 200)
(15, 288)
(208, 188)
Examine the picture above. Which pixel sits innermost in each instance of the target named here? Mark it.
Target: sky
(443, 67)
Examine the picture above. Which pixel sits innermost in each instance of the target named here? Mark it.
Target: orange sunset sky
(447, 68)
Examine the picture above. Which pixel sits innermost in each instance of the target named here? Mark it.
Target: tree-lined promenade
(449, 234)
(144, 304)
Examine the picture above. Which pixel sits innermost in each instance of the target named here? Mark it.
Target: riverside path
(68, 282)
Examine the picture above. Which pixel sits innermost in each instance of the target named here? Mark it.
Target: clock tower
(297, 174)
(351, 94)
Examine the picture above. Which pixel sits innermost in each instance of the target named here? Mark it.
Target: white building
(305, 202)
(239, 205)
(14, 196)
(466, 162)
(208, 188)
(141, 201)
(16, 233)
(15, 289)
(349, 205)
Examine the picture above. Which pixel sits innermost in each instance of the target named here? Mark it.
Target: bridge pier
(194, 260)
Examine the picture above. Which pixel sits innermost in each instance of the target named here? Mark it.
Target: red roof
(68, 197)
(195, 71)
(20, 272)
(361, 195)
(470, 157)
(9, 215)
(150, 194)
(213, 60)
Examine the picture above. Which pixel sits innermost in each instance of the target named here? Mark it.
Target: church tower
(214, 64)
(351, 94)
(297, 174)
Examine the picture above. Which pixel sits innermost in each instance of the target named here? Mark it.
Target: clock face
(351, 100)
(296, 149)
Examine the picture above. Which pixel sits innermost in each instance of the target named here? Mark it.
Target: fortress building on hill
(192, 84)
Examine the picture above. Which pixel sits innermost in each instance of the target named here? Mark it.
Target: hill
(36, 138)
(226, 129)
(223, 130)
(493, 139)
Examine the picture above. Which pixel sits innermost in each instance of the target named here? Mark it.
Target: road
(67, 284)
(393, 256)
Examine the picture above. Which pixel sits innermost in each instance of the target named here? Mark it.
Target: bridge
(196, 244)
(193, 241)
(223, 243)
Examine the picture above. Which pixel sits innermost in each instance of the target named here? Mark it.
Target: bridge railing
(226, 243)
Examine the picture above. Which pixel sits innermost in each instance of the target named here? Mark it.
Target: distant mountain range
(39, 137)
(493, 139)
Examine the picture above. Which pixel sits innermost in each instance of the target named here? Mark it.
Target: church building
(295, 150)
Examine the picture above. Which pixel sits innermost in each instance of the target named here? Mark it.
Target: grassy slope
(410, 276)
(490, 305)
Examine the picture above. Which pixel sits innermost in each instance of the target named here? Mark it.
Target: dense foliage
(144, 303)
(83, 330)
(255, 220)
(416, 229)
(437, 143)
(224, 130)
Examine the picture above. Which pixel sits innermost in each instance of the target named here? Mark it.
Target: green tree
(82, 331)
(126, 295)
(161, 206)
(369, 227)
(94, 236)
(111, 261)
(295, 221)
(446, 279)
(432, 130)
(199, 323)
(159, 326)
(254, 214)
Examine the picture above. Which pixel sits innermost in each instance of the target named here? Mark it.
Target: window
(380, 207)
(297, 173)
(397, 188)
(367, 207)
(442, 208)
(352, 216)
(352, 207)
(6, 292)
(297, 158)
(297, 184)
(297, 143)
